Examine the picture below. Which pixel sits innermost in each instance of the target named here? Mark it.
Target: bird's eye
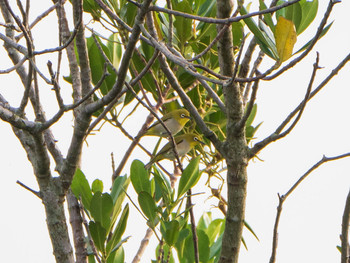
(183, 115)
(196, 139)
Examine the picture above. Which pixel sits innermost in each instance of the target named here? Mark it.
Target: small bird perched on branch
(184, 143)
(174, 121)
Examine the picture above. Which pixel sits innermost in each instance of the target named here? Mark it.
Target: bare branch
(283, 198)
(37, 193)
(15, 67)
(278, 134)
(210, 20)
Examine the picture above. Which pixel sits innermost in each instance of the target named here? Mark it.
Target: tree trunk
(235, 149)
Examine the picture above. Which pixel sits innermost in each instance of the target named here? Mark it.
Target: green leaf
(97, 186)
(119, 188)
(267, 17)
(215, 249)
(101, 208)
(203, 245)
(140, 177)
(148, 206)
(189, 177)
(237, 33)
(128, 13)
(214, 229)
(252, 115)
(97, 62)
(115, 49)
(183, 26)
(117, 256)
(90, 6)
(250, 229)
(309, 11)
(291, 12)
(266, 45)
(164, 185)
(118, 231)
(180, 243)
(171, 233)
(81, 188)
(204, 221)
(98, 234)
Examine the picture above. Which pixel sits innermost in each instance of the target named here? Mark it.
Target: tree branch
(278, 134)
(283, 198)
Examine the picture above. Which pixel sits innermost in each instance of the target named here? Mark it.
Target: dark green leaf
(189, 177)
(183, 26)
(90, 6)
(101, 208)
(164, 185)
(140, 177)
(98, 234)
(97, 62)
(171, 232)
(148, 206)
(128, 13)
(81, 188)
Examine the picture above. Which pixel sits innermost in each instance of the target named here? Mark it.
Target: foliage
(163, 59)
(103, 210)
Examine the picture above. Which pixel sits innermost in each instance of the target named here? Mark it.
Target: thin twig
(15, 67)
(37, 193)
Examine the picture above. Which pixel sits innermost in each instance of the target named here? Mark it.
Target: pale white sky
(311, 220)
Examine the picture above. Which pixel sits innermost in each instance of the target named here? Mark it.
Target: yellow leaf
(285, 37)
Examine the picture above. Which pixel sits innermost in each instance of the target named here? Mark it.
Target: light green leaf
(97, 186)
(118, 231)
(81, 188)
(309, 11)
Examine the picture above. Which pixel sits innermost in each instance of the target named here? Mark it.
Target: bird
(174, 121)
(184, 143)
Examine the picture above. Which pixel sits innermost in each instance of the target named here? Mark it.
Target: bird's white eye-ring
(183, 115)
